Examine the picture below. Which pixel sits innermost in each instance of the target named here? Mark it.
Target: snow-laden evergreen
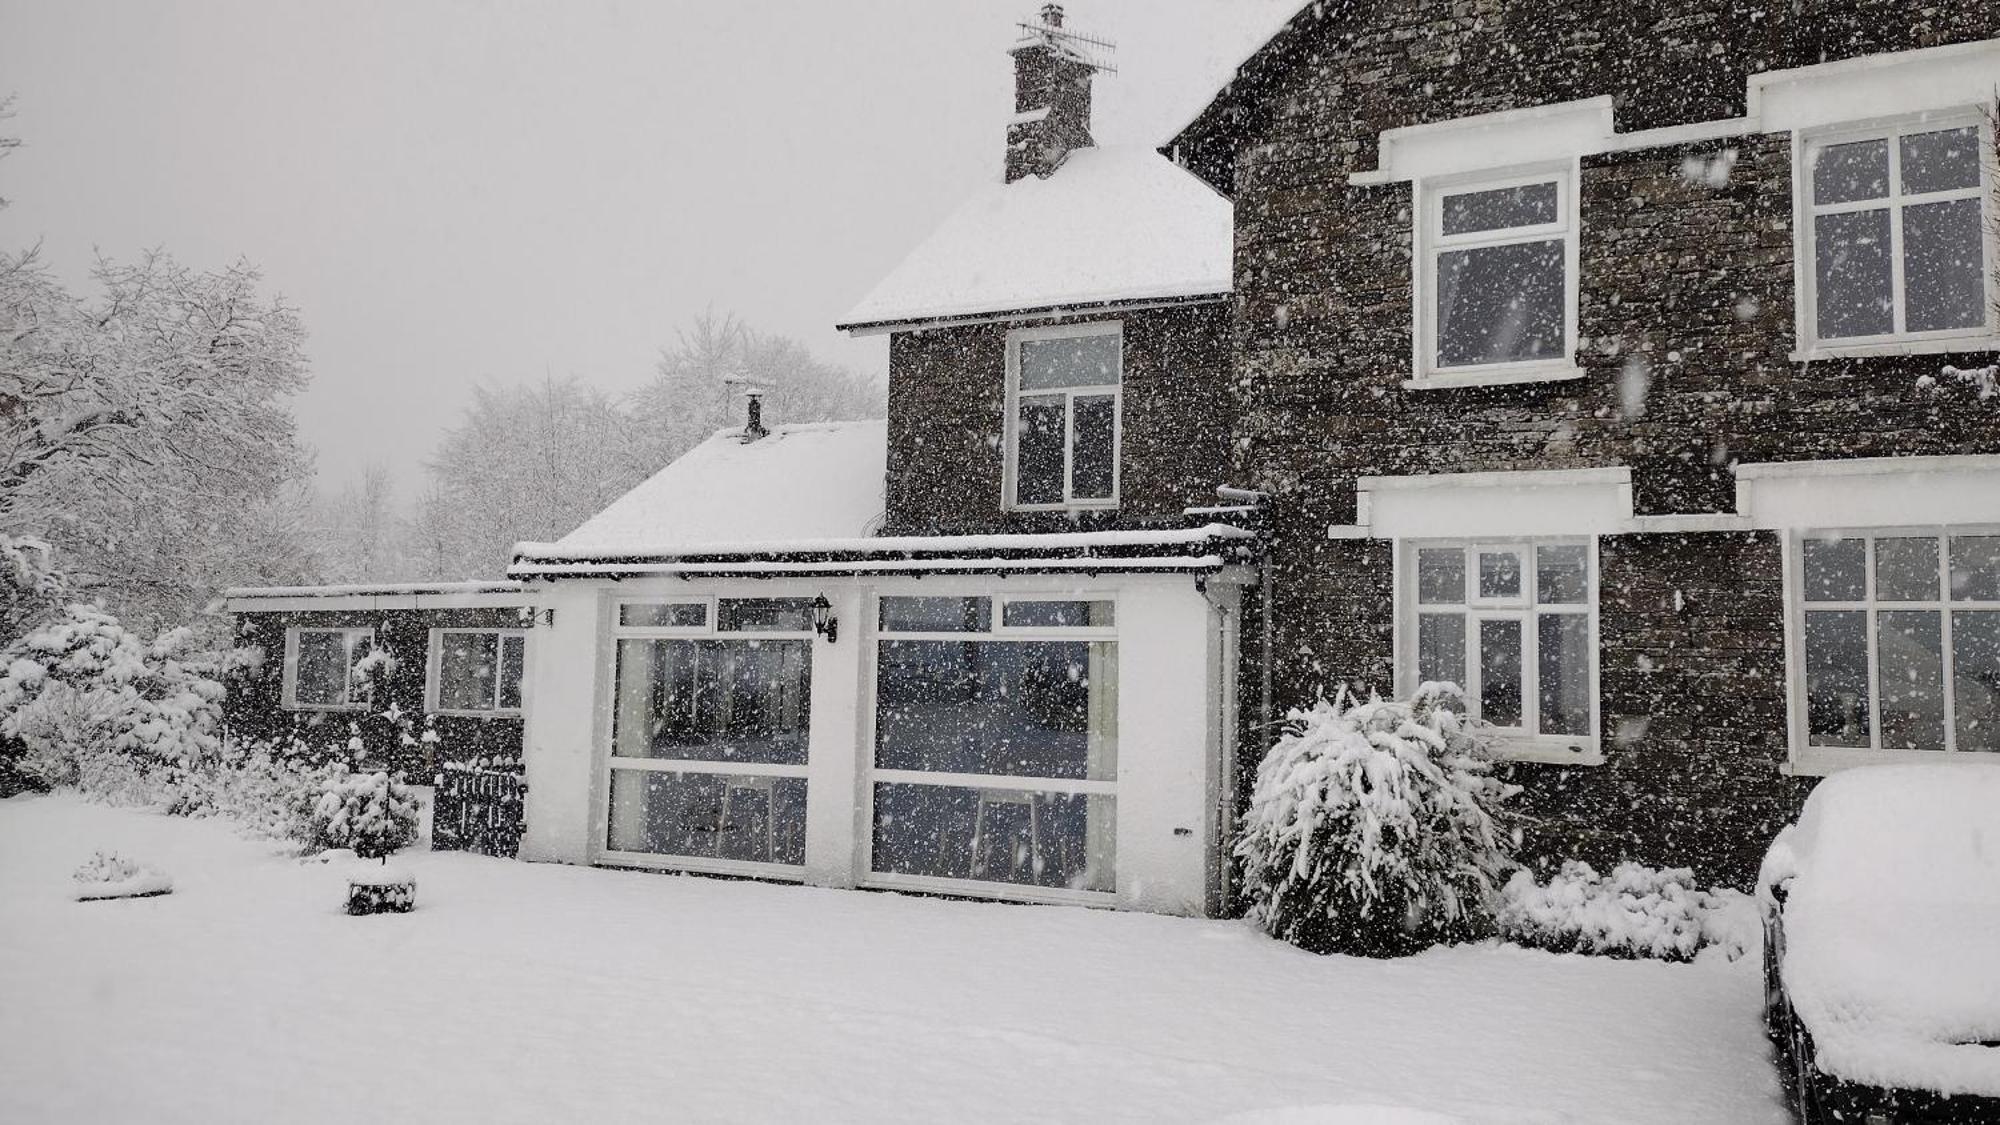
(1375, 827)
(1636, 911)
(373, 814)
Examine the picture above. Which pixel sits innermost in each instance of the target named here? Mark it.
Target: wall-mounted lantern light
(824, 622)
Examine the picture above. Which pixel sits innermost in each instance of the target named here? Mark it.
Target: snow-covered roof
(821, 481)
(372, 596)
(1111, 225)
(1890, 919)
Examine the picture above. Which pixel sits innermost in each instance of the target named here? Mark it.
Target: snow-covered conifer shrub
(372, 813)
(1636, 911)
(110, 875)
(1376, 828)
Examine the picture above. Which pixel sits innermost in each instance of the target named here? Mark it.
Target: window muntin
(478, 671)
(711, 714)
(1510, 623)
(996, 741)
(1500, 270)
(1064, 417)
(1897, 234)
(1900, 633)
(322, 674)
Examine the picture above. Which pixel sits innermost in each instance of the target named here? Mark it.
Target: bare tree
(7, 144)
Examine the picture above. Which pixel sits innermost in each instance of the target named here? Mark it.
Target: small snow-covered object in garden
(110, 875)
(1636, 911)
(381, 890)
(1883, 902)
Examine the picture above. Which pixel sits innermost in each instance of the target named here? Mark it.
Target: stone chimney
(1052, 73)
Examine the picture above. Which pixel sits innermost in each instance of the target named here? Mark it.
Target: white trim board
(1870, 492)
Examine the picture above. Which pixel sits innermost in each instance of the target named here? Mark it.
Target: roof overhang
(375, 597)
(1039, 312)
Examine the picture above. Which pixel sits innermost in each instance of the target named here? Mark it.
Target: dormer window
(1895, 235)
(1063, 416)
(1498, 291)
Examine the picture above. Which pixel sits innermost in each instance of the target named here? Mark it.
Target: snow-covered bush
(1375, 827)
(1636, 911)
(110, 875)
(269, 788)
(372, 813)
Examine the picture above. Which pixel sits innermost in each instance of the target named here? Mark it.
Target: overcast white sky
(458, 193)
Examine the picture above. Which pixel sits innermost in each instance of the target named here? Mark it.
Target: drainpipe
(1260, 503)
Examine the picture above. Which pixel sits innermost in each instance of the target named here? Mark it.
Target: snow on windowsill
(1815, 352)
(1548, 751)
(1498, 377)
(1825, 761)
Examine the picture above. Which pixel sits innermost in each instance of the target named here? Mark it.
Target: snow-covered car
(1882, 947)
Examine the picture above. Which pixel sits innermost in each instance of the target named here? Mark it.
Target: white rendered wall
(561, 738)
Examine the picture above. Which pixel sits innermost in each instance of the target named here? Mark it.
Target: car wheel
(1804, 1092)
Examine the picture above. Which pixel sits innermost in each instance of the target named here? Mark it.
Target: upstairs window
(322, 670)
(1500, 270)
(477, 671)
(1063, 417)
(1897, 234)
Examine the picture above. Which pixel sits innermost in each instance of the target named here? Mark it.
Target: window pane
(1500, 304)
(321, 679)
(764, 615)
(1500, 672)
(1944, 275)
(682, 615)
(996, 835)
(1975, 568)
(1525, 206)
(1441, 576)
(1057, 615)
(713, 701)
(1836, 570)
(1038, 455)
(1837, 677)
(1094, 461)
(1975, 679)
(708, 816)
(937, 615)
(1906, 570)
(468, 671)
(1499, 574)
(513, 663)
(1851, 263)
(1441, 648)
(1845, 173)
(1562, 574)
(1013, 708)
(1945, 160)
(1078, 361)
(1563, 655)
(1909, 658)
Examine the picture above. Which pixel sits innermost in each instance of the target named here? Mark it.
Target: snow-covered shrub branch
(1376, 828)
(1636, 911)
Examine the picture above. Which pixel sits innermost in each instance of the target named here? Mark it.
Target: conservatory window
(322, 668)
(1901, 639)
(1500, 271)
(1897, 233)
(996, 742)
(709, 733)
(1063, 417)
(477, 671)
(1511, 624)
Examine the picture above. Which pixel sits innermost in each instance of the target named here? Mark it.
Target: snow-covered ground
(519, 992)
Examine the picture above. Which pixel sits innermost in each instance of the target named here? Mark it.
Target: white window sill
(1816, 352)
(492, 713)
(1498, 377)
(1821, 761)
(1094, 506)
(329, 708)
(1544, 750)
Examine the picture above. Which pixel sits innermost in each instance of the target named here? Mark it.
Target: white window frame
(1806, 146)
(870, 774)
(1431, 241)
(600, 850)
(434, 668)
(1809, 760)
(290, 700)
(1116, 392)
(1523, 743)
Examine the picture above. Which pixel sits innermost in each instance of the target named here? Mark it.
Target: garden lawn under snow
(521, 992)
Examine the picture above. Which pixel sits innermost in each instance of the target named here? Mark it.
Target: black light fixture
(824, 622)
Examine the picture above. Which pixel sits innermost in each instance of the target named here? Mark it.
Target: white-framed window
(995, 744)
(1514, 624)
(1063, 416)
(1497, 278)
(321, 668)
(1897, 242)
(476, 672)
(711, 710)
(1896, 643)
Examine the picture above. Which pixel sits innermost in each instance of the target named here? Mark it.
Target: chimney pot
(1052, 15)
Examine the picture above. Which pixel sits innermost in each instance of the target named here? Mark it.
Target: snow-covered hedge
(1375, 827)
(1636, 911)
(371, 813)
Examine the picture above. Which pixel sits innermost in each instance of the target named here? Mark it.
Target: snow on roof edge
(531, 552)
